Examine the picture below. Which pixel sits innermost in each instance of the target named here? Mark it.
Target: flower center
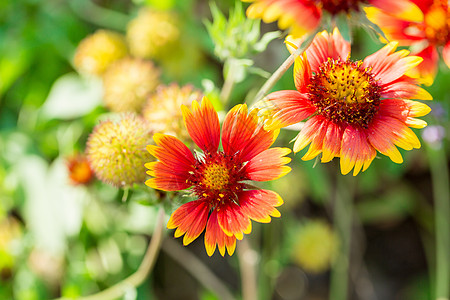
(336, 6)
(343, 92)
(437, 25)
(215, 176)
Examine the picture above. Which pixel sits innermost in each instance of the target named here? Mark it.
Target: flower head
(162, 109)
(128, 83)
(225, 203)
(315, 246)
(80, 171)
(152, 33)
(354, 107)
(425, 37)
(97, 51)
(303, 16)
(116, 150)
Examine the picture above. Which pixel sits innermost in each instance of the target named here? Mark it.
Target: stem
(228, 85)
(247, 267)
(197, 269)
(283, 68)
(135, 279)
(441, 197)
(343, 217)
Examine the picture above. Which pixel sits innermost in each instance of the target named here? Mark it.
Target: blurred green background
(59, 239)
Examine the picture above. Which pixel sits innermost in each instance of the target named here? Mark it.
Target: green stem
(343, 219)
(283, 68)
(441, 196)
(228, 85)
(135, 279)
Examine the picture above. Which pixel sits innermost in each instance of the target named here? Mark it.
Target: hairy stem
(247, 266)
(283, 68)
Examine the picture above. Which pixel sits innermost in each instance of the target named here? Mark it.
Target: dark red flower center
(344, 92)
(216, 177)
(337, 6)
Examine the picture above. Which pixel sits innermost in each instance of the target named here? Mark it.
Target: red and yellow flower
(225, 203)
(354, 107)
(425, 37)
(303, 16)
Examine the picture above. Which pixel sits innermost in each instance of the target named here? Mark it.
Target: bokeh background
(58, 238)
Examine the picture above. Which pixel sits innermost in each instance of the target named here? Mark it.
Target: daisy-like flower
(354, 107)
(425, 37)
(304, 16)
(226, 203)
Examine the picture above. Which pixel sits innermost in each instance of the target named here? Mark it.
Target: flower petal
(387, 65)
(214, 235)
(356, 151)
(233, 221)
(302, 73)
(203, 125)
(268, 165)
(332, 142)
(175, 163)
(243, 135)
(259, 205)
(308, 132)
(403, 9)
(406, 88)
(446, 54)
(289, 107)
(190, 220)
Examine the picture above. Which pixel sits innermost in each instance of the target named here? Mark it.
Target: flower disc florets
(216, 178)
(336, 6)
(343, 92)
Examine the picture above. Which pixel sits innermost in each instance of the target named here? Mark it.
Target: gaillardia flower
(98, 50)
(128, 83)
(162, 109)
(425, 37)
(304, 16)
(116, 150)
(226, 203)
(354, 107)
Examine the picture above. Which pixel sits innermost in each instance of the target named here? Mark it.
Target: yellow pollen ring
(216, 177)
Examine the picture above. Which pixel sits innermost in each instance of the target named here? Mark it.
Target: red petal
(233, 221)
(214, 235)
(332, 142)
(326, 46)
(405, 88)
(189, 219)
(302, 73)
(308, 132)
(166, 178)
(259, 205)
(203, 125)
(446, 54)
(243, 135)
(403, 9)
(290, 107)
(268, 165)
(356, 151)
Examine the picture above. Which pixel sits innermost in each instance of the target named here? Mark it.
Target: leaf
(72, 96)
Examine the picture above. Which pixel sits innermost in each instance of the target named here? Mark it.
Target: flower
(225, 203)
(162, 109)
(425, 37)
(354, 107)
(116, 150)
(304, 16)
(315, 246)
(128, 83)
(80, 171)
(97, 51)
(153, 33)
